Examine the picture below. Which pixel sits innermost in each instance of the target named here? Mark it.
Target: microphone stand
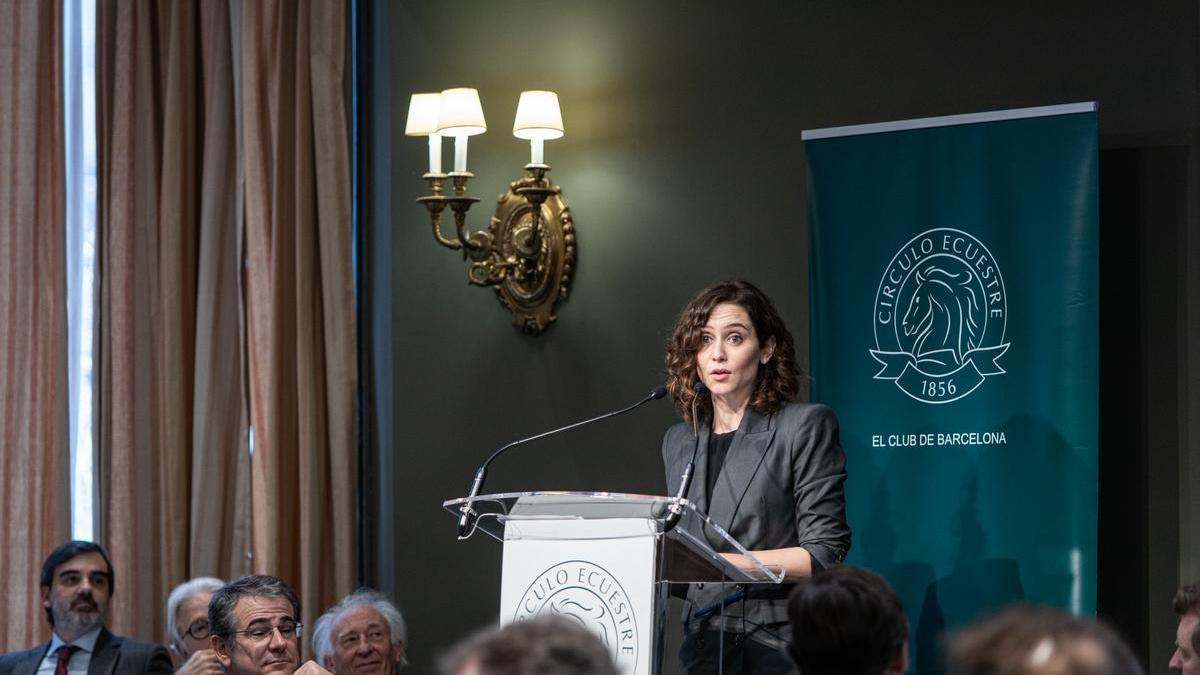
(467, 513)
(675, 510)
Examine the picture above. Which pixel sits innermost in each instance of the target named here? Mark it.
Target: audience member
(1028, 640)
(255, 629)
(77, 585)
(847, 621)
(544, 645)
(187, 627)
(364, 634)
(1187, 634)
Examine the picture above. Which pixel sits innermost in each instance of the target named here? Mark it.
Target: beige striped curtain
(34, 455)
(225, 302)
(300, 295)
(173, 469)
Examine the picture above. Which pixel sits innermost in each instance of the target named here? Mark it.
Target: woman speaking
(768, 470)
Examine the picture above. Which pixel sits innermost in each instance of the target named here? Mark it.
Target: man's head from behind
(540, 645)
(254, 626)
(364, 634)
(1029, 640)
(1186, 658)
(77, 584)
(847, 621)
(187, 615)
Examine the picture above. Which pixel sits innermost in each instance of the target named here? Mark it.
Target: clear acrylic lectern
(602, 558)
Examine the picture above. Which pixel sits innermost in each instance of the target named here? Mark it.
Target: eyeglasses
(288, 630)
(198, 630)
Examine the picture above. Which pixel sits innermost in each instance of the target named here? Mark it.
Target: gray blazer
(781, 486)
(113, 655)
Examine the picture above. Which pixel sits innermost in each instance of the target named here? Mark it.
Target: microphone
(675, 510)
(468, 514)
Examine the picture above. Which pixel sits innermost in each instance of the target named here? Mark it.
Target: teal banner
(954, 331)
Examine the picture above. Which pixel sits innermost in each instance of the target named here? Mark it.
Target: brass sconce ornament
(527, 253)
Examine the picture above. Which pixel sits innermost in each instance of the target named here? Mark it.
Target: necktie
(64, 653)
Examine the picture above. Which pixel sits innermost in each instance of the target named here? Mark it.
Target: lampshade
(538, 116)
(460, 113)
(423, 114)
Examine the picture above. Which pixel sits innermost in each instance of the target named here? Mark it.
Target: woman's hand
(795, 561)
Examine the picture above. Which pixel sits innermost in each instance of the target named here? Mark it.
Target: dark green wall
(682, 164)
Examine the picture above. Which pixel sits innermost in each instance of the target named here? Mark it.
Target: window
(79, 111)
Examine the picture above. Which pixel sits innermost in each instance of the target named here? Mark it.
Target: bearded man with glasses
(255, 628)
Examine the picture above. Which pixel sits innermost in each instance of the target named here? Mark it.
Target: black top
(718, 447)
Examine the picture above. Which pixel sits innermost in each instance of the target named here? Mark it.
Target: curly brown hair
(778, 380)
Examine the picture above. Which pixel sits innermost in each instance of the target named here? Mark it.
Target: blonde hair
(1030, 640)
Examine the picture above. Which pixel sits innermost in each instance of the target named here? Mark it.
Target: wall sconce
(527, 253)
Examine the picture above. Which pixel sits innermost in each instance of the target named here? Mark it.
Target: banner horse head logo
(939, 316)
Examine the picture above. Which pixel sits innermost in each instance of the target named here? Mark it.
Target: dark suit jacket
(113, 655)
(781, 486)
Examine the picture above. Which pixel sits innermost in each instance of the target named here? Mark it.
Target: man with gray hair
(364, 634)
(187, 627)
(255, 628)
